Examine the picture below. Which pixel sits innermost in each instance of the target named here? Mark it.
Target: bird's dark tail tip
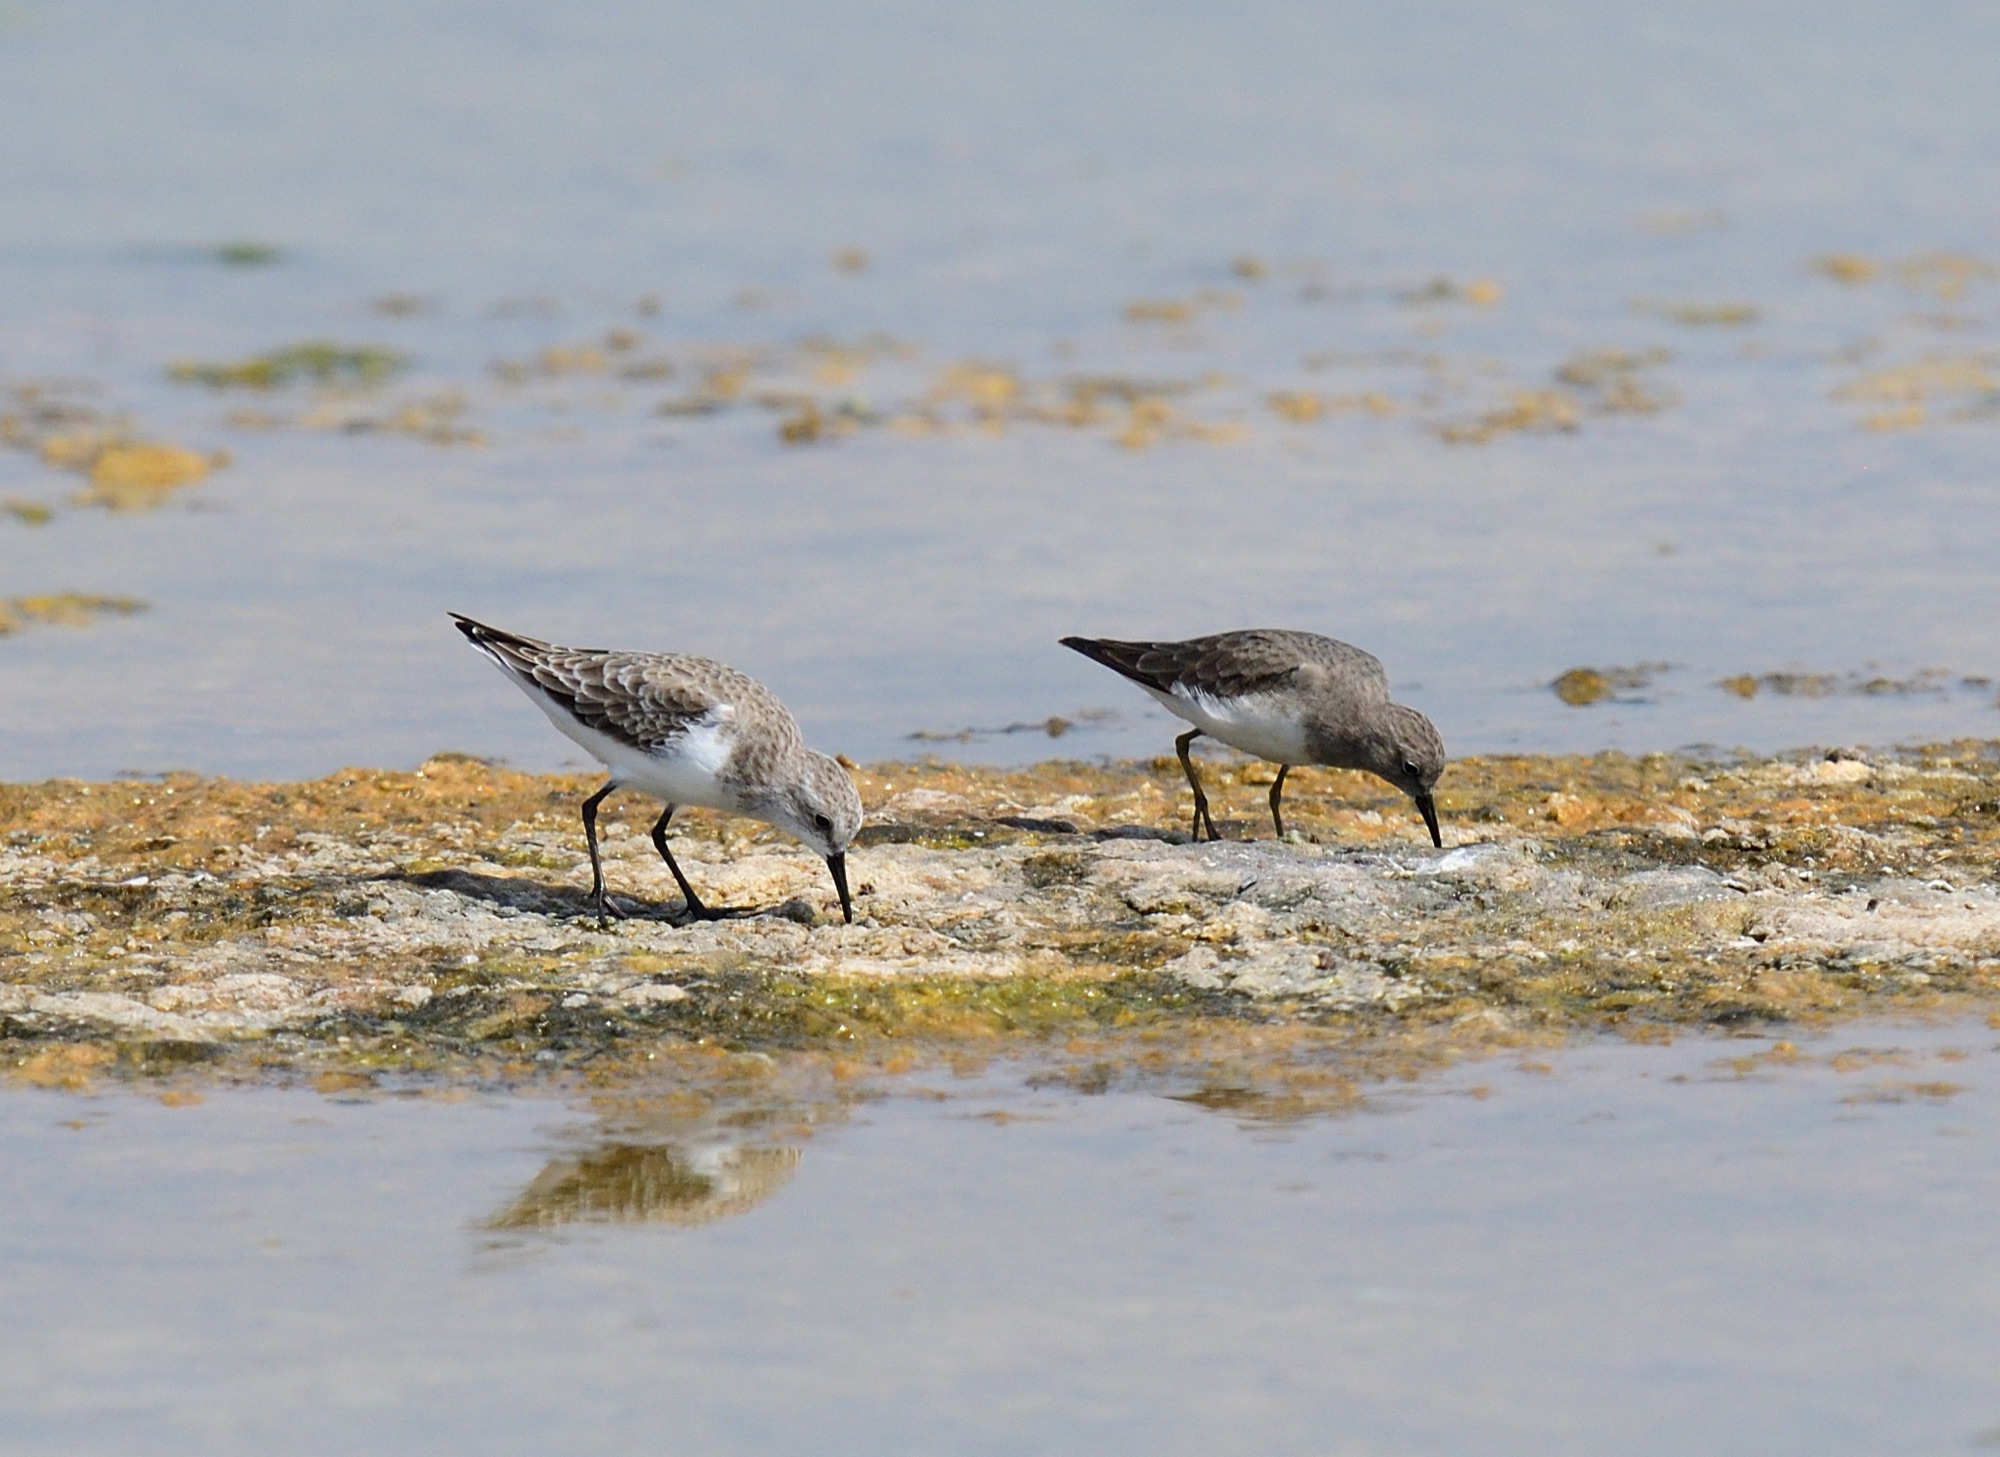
(1122, 658)
(1092, 648)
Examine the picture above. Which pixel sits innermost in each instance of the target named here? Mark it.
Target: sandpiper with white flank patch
(1289, 697)
(687, 731)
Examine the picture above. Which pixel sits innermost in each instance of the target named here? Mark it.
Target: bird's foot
(695, 911)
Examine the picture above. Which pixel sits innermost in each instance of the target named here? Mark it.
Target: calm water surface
(1490, 336)
(1613, 1248)
(1419, 221)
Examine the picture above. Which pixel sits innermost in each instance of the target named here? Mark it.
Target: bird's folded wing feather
(1237, 664)
(630, 696)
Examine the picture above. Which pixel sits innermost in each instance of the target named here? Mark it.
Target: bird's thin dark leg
(696, 911)
(605, 910)
(1277, 789)
(1194, 782)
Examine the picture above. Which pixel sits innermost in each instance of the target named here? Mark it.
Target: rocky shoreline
(434, 921)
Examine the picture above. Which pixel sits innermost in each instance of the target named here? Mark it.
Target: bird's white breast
(1265, 724)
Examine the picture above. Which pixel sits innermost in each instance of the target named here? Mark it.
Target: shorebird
(1289, 697)
(687, 731)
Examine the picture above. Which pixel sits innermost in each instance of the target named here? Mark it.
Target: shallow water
(1800, 489)
(1613, 1247)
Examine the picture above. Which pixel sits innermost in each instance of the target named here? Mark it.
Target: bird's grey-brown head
(1408, 752)
(821, 808)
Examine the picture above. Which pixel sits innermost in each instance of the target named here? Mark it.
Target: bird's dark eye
(823, 824)
(1412, 770)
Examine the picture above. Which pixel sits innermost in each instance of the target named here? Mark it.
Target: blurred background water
(871, 346)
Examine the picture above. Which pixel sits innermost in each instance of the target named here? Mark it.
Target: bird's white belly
(686, 774)
(1259, 725)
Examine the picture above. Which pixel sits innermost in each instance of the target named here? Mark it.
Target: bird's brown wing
(1233, 664)
(644, 699)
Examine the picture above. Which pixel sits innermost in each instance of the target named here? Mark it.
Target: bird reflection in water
(649, 1183)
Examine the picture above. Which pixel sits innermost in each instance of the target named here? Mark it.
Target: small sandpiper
(1289, 697)
(685, 731)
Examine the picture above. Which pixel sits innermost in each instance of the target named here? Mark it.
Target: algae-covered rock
(438, 919)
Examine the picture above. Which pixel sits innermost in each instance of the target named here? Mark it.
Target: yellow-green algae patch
(126, 473)
(63, 609)
(435, 922)
(316, 361)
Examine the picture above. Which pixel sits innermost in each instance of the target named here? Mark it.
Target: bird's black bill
(838, 865)
(1430, 813)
